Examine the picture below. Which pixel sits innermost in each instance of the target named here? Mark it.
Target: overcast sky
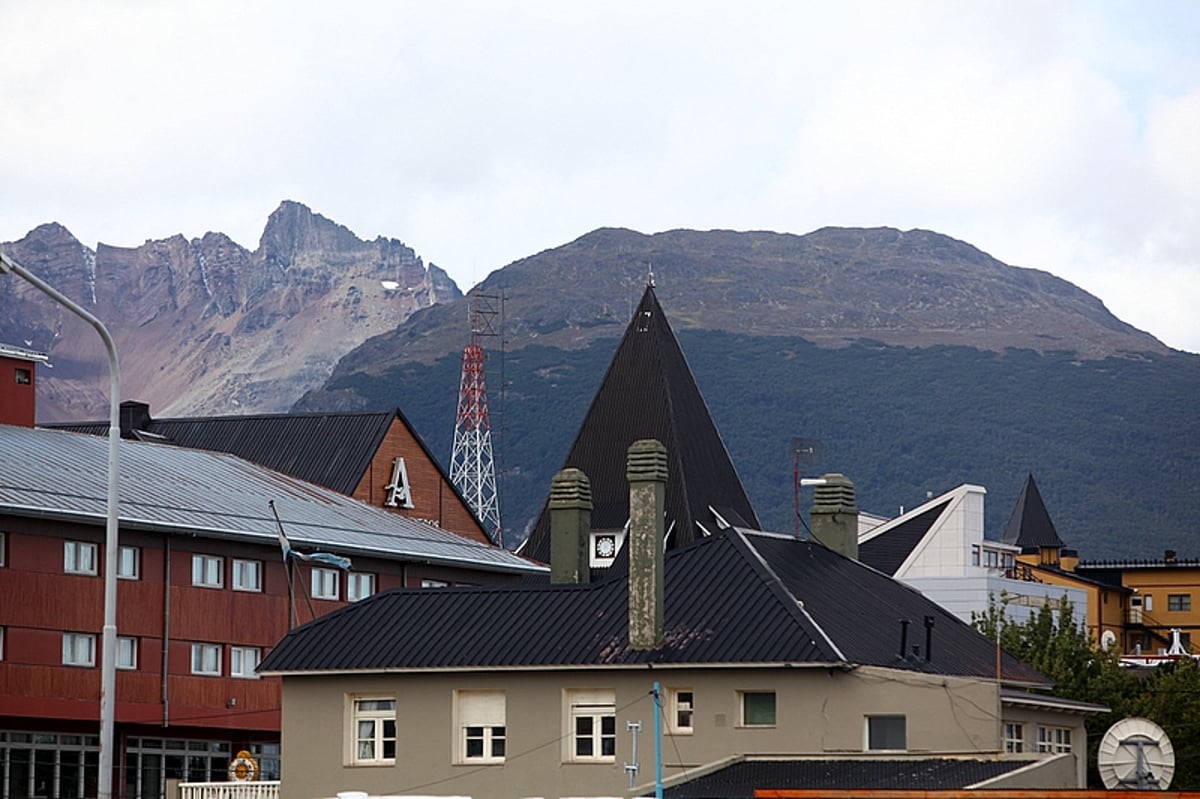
(1058, 135)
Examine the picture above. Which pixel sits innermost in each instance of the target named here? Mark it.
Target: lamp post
(108, 641)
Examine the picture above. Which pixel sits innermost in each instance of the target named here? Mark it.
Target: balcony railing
(266, 789)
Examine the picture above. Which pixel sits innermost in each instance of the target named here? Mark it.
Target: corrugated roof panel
(58, 473)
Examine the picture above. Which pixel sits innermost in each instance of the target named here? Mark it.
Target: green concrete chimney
(834, 516)
(570, 526)
(646, 470)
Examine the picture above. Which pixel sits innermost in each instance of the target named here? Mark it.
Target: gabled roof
(1030, 524)
(737, 597)
(740, 780)
(649, 392)
(63, 475)
(329, 449)
(889, 545)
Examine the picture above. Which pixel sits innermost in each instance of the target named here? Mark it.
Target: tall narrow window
(247, 575)
(324, 584)
(206, 659)
(127, 652)
(887, 733)
(79, 557)
(79, 649)
(481, 726)
(243, 660)
(1, 550)
(682, 710)
(208, 571)
(374, 730)
(1014, 737)
(128, 563)
(359, 586)
(758, 708)
(592, 716)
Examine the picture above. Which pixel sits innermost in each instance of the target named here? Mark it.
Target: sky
(1063, 136)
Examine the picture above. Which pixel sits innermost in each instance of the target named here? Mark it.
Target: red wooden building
(203, 594)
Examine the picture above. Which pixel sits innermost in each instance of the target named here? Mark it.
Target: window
(208, 571)
(374, 731)
(1054, 739)
(1147, 602)
(758, 708)
(79, 557)
(481, 726)
(247, 575)
(974, 554)
(434, 584)
(127, 648)
(324, 584)
(593, 726)
(886, 733)
(22, 377)
(243, 660)
(681, 710)
(1014, 737)
(1179, 602)
(79, 649)
(129, 563)
(206, 659)
(1, 549)
(359, 586)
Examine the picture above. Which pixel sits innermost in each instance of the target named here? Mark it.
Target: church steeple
(649, 392)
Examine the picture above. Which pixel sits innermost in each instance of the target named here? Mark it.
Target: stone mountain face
(833, 286)
(206, 326)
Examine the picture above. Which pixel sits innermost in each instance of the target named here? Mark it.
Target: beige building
(760, 646)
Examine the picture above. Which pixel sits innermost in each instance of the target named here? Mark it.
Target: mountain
(919, 362)
(206, 326)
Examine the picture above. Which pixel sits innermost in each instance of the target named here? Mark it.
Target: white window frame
(1014, 737)
(127, 652)
(681, 713)
(480, 721)
(79, 649)
(1054, 739)
(359, 585)
(379, 735)
(597, 710)
(246, 575)
(206, 659)
(80, 557)
(129, 563)
(326, 584)
(884, 717)
(208, 571)
(243, 660)
(744, 722)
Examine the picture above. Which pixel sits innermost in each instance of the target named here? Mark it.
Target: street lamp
(108, 640)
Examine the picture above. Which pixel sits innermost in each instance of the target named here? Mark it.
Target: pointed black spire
(649, 392)
(1030, 525)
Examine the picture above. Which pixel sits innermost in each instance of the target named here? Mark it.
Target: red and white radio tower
(472, 468)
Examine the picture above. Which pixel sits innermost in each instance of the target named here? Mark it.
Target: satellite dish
(1136, 754)
(1107, 640)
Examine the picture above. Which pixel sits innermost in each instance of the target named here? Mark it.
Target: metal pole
(658, 785)
(108, 641)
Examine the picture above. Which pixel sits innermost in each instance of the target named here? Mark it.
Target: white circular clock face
(606, 547)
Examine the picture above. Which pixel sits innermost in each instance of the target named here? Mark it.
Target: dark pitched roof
(888, 551)
(1030, 525)
(329, 449)
(740, 780)
(649, 392)
(735, 597)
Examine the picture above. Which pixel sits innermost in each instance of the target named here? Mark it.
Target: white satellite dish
(1135, 754)
(1107, 640)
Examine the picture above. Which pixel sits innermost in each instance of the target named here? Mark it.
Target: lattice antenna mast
(472, 467)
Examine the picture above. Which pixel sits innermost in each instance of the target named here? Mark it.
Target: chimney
(570, 526)
(18, 385)
(834, 517)
(134, 416)
(929, 638)
(646, 470)
(1169, 556)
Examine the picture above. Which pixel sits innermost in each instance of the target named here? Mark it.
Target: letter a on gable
(399, 494)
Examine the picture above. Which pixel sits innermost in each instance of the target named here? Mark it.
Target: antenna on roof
(804, 452)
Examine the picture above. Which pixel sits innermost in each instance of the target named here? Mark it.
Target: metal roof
(735, 598)
(649, 392)
(740, 780)
(888, 549)
(1030, 524)
(60, 474)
